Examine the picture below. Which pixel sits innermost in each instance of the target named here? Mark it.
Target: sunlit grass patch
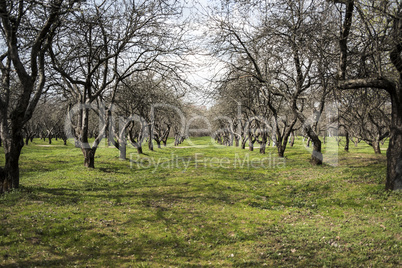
(208, 210)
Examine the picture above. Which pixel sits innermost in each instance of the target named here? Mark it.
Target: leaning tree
(26, 30)
(371, 40)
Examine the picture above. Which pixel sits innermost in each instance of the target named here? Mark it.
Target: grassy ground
(200, 205)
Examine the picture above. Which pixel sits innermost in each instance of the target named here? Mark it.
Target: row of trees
(289, 61)
(92, 55)
(286, 62)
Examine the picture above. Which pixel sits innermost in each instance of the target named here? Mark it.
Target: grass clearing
(200, 206)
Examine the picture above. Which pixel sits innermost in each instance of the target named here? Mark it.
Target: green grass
(202, 205)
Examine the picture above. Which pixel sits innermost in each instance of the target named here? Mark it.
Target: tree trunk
(292, 140)
(150, 138)
(251, 146)
(176, 139)
(77, 143)
(231, 139)
(281, 150)
(347, 142)
(243, 143)
(394, 162)
(164, 143)
(89, 157)
(250, 141)
(376, 146)
(123, 150)
(237, 141)
(316, 156)
(274, 140)
(139, 149)
(262, 147)
(3, 182)
(12, 150)
(159, 144)
(394, 152)
(356, 141)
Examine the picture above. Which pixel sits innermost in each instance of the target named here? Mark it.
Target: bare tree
(147, 105)
(366, 115)
(108, 42)
(26, 30)
(280, 53)
(376, 63)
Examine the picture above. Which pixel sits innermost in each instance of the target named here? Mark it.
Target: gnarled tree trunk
(89, 157)
(12, 149)
(376, 146)
(394, 152)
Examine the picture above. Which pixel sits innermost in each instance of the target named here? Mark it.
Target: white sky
(205, 66)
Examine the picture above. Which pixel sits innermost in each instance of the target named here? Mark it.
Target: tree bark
(139, 149)
(150, 138)
(394, 151)
(281, 150)
(89, 157)
(251, 146)
(292, 140)
(376, 146)
(347, 141)
(394, 163)
(316, 156)
(250, 142)
(12, 150)
(262, 147)
(77, 143)
(243, 143)
(274, 140)
(237, 139)
(123, 150)
(356, 142)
